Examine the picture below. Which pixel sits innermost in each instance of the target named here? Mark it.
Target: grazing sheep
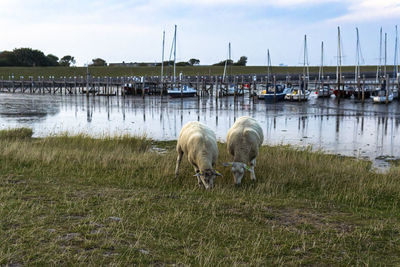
(243, 141)
(199, 143)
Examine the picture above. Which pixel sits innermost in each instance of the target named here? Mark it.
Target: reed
(77, 200)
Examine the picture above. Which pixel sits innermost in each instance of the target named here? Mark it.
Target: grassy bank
(78, 200)
(5, 72)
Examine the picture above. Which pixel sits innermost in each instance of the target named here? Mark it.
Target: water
(368, 131)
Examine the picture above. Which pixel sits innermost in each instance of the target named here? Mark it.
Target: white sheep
(199, 143)
(243, 141)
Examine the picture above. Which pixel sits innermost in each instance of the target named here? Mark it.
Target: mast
(226, 61)
(378, 69)
(162, 57)
(385, 60)
(268, 66)
(306, 71)
(175, 55)
(395, 66)
(357, 70)
(321, 68)
(339, 63)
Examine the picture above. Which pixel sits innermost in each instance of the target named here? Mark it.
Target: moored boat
(185, 91)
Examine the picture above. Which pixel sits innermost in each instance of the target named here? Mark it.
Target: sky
(132, 30)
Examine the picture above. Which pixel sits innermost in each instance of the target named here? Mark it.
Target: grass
(57, 72)
(76, 200)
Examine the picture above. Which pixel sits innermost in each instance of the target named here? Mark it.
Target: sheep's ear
(227, 164)
(218, 173)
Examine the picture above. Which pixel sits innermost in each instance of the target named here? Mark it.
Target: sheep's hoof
(238, 185)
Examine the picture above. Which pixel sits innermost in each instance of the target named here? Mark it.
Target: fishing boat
(185, 91)
(296, 94)
(380, 96)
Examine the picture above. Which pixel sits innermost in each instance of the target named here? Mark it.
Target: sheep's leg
(178, 162)
(252, 165)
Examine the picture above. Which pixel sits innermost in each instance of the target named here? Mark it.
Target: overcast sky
(131, 30)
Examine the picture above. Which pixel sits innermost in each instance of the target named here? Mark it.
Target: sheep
(243, 141)
(199, 143)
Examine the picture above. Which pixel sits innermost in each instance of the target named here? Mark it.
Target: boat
(185, 91)
(231, 90)
(380, 96)
(325, 91)
(345, 92)
(295, 94)
(278, 93)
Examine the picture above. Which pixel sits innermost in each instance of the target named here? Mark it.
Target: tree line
(28, 57)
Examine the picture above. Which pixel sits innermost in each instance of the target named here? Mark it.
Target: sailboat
(231, 87)
(272, 93)
(347, 91)
(184, 90)
(323, 89)
(383, 94)
(301, 93)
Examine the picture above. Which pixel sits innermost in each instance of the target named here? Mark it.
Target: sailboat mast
(378, 69)
(162, 57)
(226, 61)
(321, 68)
(357, 70)
(395, 66)
(268, 66)
(385, 61)
(339, 60)
(175, 55)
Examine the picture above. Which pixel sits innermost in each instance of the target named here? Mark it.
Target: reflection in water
(349, 128)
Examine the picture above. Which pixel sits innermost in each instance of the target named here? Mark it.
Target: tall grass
(76, 200)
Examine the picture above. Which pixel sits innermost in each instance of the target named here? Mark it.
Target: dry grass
(69, 200)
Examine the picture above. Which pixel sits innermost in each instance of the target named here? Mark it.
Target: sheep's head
(238, 170)
(207, 177)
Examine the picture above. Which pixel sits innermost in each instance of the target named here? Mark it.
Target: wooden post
(216, 87)
(363, 90)
(143, 85)
(387, 82)
(274, 88)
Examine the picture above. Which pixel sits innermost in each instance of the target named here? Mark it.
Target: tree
(52, 60)
(241, 62)
(182, 63)
(67, 60)
(194, 61)
(7, 58)
(98, 62)
(29, 57)
(222, 63)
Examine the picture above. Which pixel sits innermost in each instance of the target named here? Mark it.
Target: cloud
(370, 10)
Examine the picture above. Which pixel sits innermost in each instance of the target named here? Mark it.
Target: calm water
(366, 131)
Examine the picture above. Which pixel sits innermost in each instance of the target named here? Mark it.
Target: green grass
(57, 72)
(76, 200)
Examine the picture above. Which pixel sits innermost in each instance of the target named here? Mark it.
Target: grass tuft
(18, 133)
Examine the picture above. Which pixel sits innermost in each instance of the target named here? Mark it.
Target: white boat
(295, 94)
(186, 91)
(380, 96)
(231, 90)
(324, 92)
